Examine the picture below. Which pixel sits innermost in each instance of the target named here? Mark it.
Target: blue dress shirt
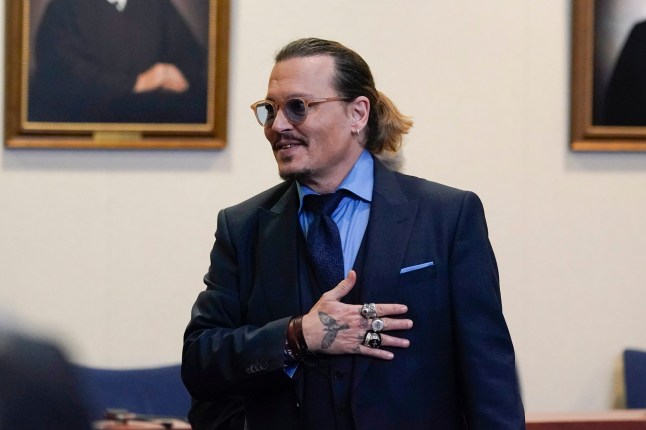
(352, 213)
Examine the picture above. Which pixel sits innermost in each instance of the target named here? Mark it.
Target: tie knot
(322, 204)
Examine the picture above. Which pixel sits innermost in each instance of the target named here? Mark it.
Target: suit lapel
(390, 225)
(278, 255)
(389, 228)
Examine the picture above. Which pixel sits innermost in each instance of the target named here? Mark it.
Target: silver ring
(378, 325)
(369, 310)
(372, 339)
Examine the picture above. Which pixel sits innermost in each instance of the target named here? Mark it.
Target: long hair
(353, 78)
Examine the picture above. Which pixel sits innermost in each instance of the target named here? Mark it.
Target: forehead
(302, 76)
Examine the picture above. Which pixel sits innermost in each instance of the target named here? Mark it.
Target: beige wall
(106, 250)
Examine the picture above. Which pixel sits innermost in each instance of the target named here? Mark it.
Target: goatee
(300, 175)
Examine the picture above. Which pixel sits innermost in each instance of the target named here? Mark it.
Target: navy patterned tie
(323, 239)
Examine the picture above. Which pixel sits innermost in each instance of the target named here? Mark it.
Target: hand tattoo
(332, 327)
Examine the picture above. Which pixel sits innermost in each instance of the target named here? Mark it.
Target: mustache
(290, 137)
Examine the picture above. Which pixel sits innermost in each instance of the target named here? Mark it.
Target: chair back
(148, 391)
(635, 378)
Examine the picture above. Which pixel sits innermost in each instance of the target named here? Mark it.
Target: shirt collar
(359, 180)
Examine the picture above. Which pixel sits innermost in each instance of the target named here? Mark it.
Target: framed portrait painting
(608, 109)
(109, 74)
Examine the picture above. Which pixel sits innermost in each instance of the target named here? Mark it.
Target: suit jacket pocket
(417, 275)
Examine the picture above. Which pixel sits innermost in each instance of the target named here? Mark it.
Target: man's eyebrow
(291, 96)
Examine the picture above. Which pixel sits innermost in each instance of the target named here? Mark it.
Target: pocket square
(416, 267)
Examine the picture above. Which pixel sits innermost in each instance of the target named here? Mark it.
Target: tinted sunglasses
(295, 109)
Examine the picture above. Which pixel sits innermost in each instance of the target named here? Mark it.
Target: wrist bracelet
(295, 340)
(300, 337)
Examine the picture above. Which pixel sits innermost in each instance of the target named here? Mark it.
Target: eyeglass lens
(294, 109)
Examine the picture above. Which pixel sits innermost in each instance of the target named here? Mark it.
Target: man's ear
(360, 112)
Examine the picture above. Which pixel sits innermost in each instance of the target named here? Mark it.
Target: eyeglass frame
(306, 101)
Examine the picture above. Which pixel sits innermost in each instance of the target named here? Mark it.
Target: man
(125, 61)
(625, 98)
(38, 389)
(412, 338)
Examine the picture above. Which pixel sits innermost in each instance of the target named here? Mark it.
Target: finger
(343, 287)
(396, 342)
(175, 73)
(397, 324)
(373, 352)
(176, 81)
(391, 309)
(177, 87)
(387, 340)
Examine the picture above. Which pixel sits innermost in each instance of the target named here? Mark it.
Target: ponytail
(387, 126)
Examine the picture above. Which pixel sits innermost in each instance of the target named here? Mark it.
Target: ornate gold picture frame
(605, 101)
(183, 104)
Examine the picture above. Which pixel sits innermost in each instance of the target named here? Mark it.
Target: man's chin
(300, 175)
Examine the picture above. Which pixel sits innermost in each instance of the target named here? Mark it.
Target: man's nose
(280, 122)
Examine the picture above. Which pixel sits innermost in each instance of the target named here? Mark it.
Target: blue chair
(155, 391)
(635, 378)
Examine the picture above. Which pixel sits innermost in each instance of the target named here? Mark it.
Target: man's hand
(332, 327)
(161, 76)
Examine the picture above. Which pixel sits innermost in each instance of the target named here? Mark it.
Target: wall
(106, 249)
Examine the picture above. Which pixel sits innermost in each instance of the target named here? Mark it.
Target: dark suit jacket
(459, 371)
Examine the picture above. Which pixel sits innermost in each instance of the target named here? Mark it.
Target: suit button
(264, 365)
(338, 374)
(248, 370)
